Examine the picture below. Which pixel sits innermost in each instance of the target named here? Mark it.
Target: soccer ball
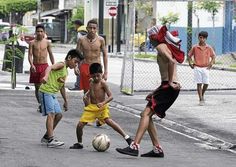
(101, 142)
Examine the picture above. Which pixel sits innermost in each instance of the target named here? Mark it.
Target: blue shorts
(49, 103)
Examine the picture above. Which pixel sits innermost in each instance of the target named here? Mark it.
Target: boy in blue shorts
(53, 82)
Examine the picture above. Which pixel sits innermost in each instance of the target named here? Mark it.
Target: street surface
(191, 135)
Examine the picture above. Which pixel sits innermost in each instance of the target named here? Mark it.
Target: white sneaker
(55, 143)
(44, 141)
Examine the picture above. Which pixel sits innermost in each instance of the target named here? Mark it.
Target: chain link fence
(142, 74)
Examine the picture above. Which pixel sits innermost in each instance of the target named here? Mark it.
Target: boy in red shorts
(39, 49)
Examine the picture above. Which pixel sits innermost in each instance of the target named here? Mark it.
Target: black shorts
(162, 98)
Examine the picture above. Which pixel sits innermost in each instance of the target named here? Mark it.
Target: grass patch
(145, 56)
(233, 65)
(218, 62)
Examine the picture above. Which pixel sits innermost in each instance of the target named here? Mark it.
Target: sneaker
(54, 143)
(39, 109)
(129, 140)
(44, 140)
(153, 154)
(77, 146)
(127, 151)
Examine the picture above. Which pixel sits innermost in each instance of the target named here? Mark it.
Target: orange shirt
(202, 55)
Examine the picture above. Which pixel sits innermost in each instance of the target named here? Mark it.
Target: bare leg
(199, 90)
(37, 92)
(49, 124)
(57, 119)
(115, 126)
(153, 133)
(143, 124)
(79, 131)
(205, 86)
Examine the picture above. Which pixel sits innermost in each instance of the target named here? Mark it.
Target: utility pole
(39, 10)
(119, 23)
(101, 16)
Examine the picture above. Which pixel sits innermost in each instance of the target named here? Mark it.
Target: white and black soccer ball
(101, 142)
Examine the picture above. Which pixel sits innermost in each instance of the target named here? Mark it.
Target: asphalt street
(191, 135)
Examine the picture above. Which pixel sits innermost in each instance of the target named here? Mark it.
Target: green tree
(16, 8)
(169, 19)
(211, 7)
(78, 13)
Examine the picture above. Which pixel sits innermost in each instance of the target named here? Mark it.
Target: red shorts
(36, 77)
(84, 76)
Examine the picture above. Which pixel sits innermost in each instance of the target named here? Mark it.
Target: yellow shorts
(92, 112)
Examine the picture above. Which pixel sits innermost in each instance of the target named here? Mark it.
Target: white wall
(180, 7)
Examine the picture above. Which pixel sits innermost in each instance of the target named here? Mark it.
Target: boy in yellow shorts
(98, 107)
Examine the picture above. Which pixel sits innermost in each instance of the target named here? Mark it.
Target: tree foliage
(17, 6)
(210, 6)
(78, 13)
(169, 18)
(146, 7)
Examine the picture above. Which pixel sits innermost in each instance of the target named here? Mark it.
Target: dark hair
(74, 53)
(95, 68)
(40, 26)
(93, 21)
(78, 22)
(203, 34)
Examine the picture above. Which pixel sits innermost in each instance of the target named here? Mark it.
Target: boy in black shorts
(158, 103)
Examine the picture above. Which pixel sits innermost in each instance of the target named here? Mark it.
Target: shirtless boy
(39, 49)
(91, 46)
(158, 103)
(98, 98)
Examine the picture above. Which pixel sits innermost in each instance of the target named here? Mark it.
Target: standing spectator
(39, 49)
(203, 59)
(81, 31)
(91, 45)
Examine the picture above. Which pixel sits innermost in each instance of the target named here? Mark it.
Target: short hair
(74, 53)
(40, 26)
(95, 68)
(93, 21)
(78, 22)
(203, 34)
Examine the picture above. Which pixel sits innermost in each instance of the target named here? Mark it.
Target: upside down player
(158, 103)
